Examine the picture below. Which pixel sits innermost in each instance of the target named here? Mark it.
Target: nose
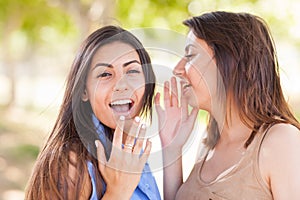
(179, 69)
(121, 85)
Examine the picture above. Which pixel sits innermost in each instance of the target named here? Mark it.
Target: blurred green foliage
(30, 16)
(153, 13)
(171, 13)
(24, 152)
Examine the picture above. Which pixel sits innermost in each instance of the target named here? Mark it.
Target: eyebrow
(188, 46)
(110, 66)
(130, 62)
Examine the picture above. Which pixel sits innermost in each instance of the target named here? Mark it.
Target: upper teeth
(121, 102)
(186, 85)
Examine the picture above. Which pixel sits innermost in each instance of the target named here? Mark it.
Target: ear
(84, 96)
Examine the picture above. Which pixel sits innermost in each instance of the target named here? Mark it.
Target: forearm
(172, 178)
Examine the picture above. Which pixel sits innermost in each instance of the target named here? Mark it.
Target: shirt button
(147, 185)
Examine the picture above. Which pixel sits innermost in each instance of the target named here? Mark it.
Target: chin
(193, 102)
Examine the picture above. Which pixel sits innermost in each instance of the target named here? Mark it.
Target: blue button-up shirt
(147, 187)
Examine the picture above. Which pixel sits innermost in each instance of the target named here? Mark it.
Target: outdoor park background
(38, 42)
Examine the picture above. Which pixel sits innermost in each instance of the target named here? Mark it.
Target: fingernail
(137, 119)
(149, 141)
(143, 126)
(122, 118)
(96, 143)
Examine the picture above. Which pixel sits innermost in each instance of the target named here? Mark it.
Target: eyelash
(105, 74)
(133, 71)
(189, 56)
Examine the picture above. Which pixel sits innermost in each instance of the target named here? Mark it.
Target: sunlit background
(38, 42)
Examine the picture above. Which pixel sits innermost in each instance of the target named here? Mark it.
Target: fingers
(167, 94)
(126, 158)
(140, 140)
(145, 155)
(100, 156)
(171, 99)
(157, 104)
(156, 99)
(184, 104)
(118, 134)
(174, 92)
(133, 147)
(129, 143)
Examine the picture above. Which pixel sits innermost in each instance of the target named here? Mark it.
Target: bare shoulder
(281, 142)
(282, 135)
(279, 161)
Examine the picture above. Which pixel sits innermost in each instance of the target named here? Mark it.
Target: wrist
(172, 149)
(171, 155)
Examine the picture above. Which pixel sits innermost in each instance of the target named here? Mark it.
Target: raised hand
(175, 125)
(123, 170)
(175, 121)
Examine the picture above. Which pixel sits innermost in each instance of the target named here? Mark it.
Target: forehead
(115, 52)
(191, 37)
(193, 41)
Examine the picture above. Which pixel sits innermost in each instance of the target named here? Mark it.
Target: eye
(133, 71)
(104, 74)
(189, 57)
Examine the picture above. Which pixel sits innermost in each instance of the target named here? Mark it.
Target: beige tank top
(243, 181)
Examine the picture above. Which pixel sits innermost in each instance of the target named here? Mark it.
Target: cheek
(104, 114)
(99, 106)
(136, 82)
(139, 93)
(195, 78)
(99, 97)
(138, 87)
(200, 87)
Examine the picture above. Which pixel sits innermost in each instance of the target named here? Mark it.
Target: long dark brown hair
(74, 131)
(246, 58)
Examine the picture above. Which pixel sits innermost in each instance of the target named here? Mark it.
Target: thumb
(100, 156)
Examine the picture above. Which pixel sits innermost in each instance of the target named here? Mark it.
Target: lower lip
(121, 113)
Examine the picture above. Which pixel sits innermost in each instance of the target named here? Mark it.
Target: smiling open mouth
(186, 85)
(122, 106)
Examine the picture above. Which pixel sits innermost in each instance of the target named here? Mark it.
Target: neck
(232, 130)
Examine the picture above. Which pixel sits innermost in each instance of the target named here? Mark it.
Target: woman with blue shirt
(97, 148)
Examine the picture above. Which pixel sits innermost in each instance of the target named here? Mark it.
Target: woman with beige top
(252, 145)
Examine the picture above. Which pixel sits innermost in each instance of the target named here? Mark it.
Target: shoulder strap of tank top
(256, 158)
(263, 135)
